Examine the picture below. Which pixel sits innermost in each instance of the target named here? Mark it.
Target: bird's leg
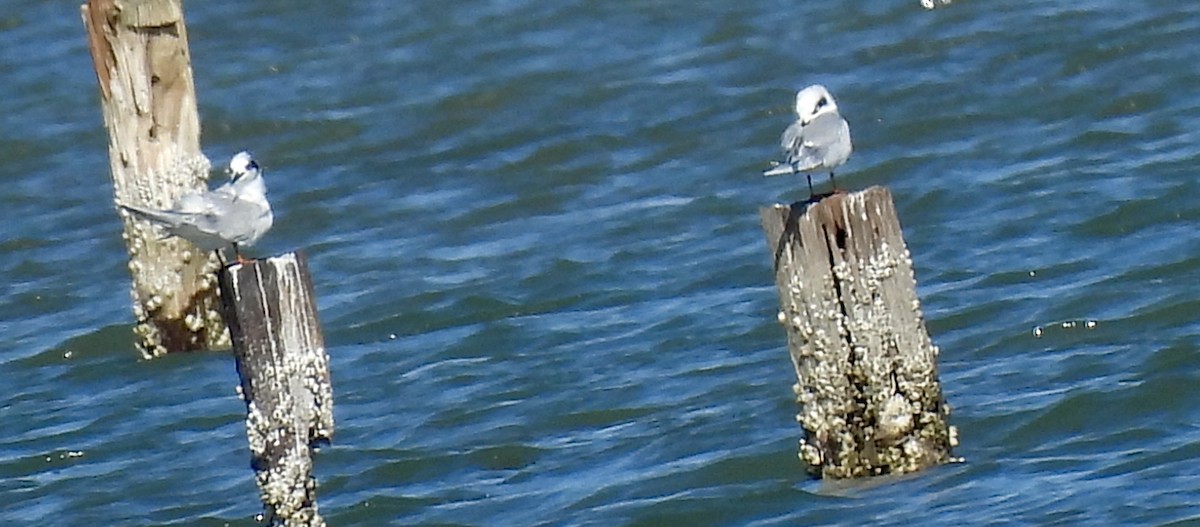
(832, 180)
(221, 258)
(810, 188)
(240, 259)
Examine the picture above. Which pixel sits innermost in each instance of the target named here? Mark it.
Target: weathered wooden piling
(284, 373)
(868, 387)
(140, 53)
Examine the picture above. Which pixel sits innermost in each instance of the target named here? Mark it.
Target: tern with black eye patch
(232, 215)
(819, 139)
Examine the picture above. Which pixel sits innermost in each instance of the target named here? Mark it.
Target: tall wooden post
(867, 370)
(284, 371)
(140, 53)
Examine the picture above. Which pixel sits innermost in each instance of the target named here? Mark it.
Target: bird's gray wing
(224, 188)
(225, 216)
(227, 213)
(787, 141)
(822, 143)
(166, 218)
(210, 221)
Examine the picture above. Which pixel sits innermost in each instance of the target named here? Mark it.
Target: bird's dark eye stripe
(252, 165)
(821, 103)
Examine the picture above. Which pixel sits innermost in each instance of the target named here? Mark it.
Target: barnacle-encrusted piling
(868, 386)
(284, 373)
(140, 53)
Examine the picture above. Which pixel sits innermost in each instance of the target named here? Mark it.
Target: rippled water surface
(534, 235)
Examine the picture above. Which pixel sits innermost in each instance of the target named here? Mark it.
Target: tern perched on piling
(234, 214)
(819, 140)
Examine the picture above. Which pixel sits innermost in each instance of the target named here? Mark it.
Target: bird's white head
(813, 101)
(242, 164)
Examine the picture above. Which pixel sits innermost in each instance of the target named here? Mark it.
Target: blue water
(534, 235)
